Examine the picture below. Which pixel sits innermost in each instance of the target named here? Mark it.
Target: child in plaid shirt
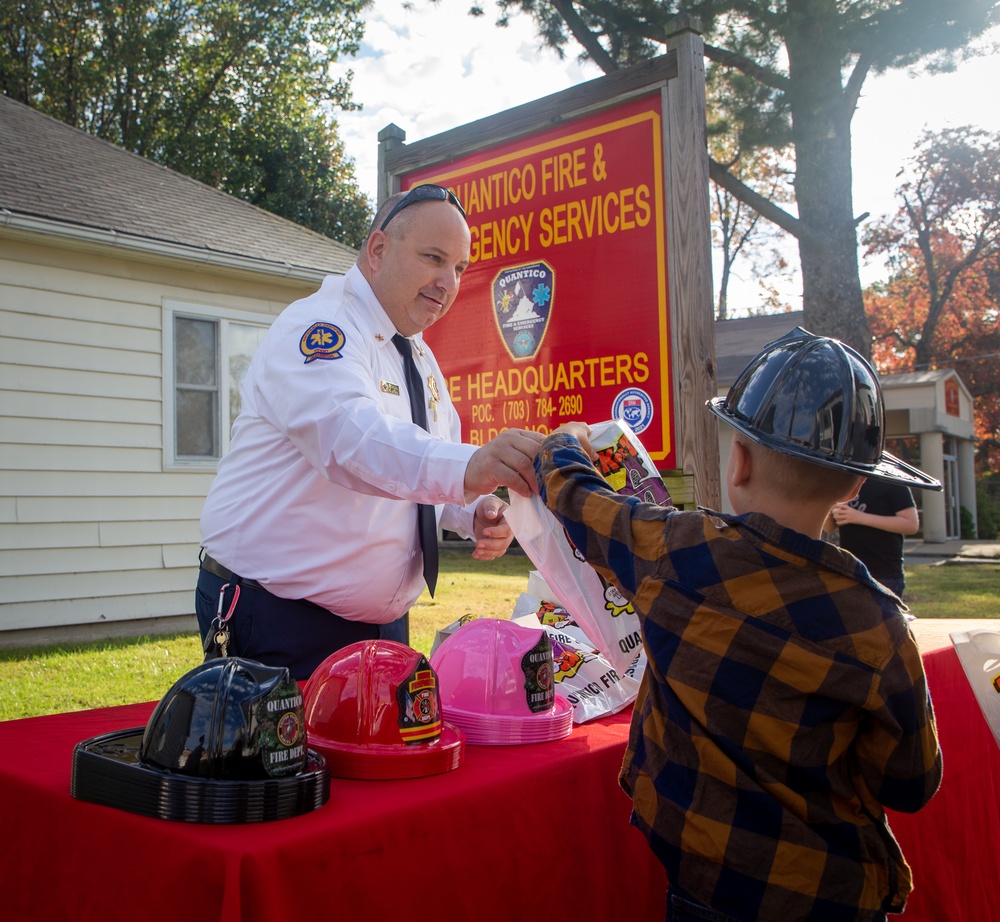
(784, 704)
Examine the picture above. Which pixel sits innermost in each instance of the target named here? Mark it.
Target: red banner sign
(563, 311)
(952, 404)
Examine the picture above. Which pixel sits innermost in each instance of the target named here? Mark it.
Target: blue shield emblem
(522, 305)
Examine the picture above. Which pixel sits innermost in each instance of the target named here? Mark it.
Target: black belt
(213, 566)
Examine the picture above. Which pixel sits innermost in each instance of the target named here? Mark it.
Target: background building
(929, 421)
(131, 298)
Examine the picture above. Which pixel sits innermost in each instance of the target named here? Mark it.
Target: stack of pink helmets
(497, 685)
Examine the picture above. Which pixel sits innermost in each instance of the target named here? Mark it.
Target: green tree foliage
(234, 93)
(941, 306)
(785, 72)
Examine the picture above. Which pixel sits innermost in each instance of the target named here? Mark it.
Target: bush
(988, 506)
(968, 525)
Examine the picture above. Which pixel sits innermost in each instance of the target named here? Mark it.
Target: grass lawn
(953, 590)
(46, 680)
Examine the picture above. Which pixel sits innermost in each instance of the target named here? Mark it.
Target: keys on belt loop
(218, 635)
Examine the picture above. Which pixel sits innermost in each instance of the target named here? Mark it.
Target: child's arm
(899, 756)
(580, 432)
(619, 536)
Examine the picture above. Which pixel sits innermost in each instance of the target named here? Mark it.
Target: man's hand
(506, 461)
(493, 534)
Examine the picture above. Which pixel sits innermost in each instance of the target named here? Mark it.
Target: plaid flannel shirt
(783, 707)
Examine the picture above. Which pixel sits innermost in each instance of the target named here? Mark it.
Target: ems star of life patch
(322, 341)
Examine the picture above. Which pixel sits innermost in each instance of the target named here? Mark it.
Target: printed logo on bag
(635, 407)
(522, 305)
(419, 705)
(322, 341)
(615, 602)
(567, 662)
(282, 730)
(628, 474)
(551, 615)
(536, 665)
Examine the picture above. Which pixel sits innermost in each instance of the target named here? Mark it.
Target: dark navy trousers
(282, 632)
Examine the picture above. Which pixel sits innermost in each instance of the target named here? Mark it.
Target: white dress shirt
(316, 497)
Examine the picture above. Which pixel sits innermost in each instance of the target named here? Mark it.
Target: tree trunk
(723, 306)
(821, 121)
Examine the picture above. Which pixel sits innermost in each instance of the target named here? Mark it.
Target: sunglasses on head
(428, 192)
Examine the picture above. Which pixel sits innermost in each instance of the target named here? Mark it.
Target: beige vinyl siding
(93, 530)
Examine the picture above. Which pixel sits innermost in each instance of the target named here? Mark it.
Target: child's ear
(740, 464)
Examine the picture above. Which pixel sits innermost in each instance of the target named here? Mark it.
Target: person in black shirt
(872, 526)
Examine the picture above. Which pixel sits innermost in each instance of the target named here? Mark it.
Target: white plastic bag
(582, 674)
(600, 610)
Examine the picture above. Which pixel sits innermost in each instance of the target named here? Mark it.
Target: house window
(206, 355)
(196, 388)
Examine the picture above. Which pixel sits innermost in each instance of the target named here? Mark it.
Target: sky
(431, 68)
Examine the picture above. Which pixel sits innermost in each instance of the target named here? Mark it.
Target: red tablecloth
(953, 844)
(516, 832)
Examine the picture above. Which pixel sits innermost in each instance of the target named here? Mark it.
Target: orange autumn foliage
(941, 305)
(965, 336)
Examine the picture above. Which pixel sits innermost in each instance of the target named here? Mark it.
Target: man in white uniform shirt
(309, 532)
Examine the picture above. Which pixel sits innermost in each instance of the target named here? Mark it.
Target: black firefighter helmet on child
(815, 398)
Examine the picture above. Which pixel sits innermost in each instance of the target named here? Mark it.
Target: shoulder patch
(322, 341)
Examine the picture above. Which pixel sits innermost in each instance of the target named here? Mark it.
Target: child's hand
(581, 432)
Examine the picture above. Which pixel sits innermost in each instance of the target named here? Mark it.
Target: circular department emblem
(424, 706)
(635, 407)
(524, 343)
(322, 341)
(289, 729)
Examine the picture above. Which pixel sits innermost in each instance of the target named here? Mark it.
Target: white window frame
(223, 316)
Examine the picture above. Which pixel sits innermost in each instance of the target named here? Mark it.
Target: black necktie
(425, 514)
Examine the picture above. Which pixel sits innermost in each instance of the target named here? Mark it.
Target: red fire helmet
(374, 710)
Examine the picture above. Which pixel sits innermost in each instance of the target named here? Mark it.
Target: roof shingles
(53, 171)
